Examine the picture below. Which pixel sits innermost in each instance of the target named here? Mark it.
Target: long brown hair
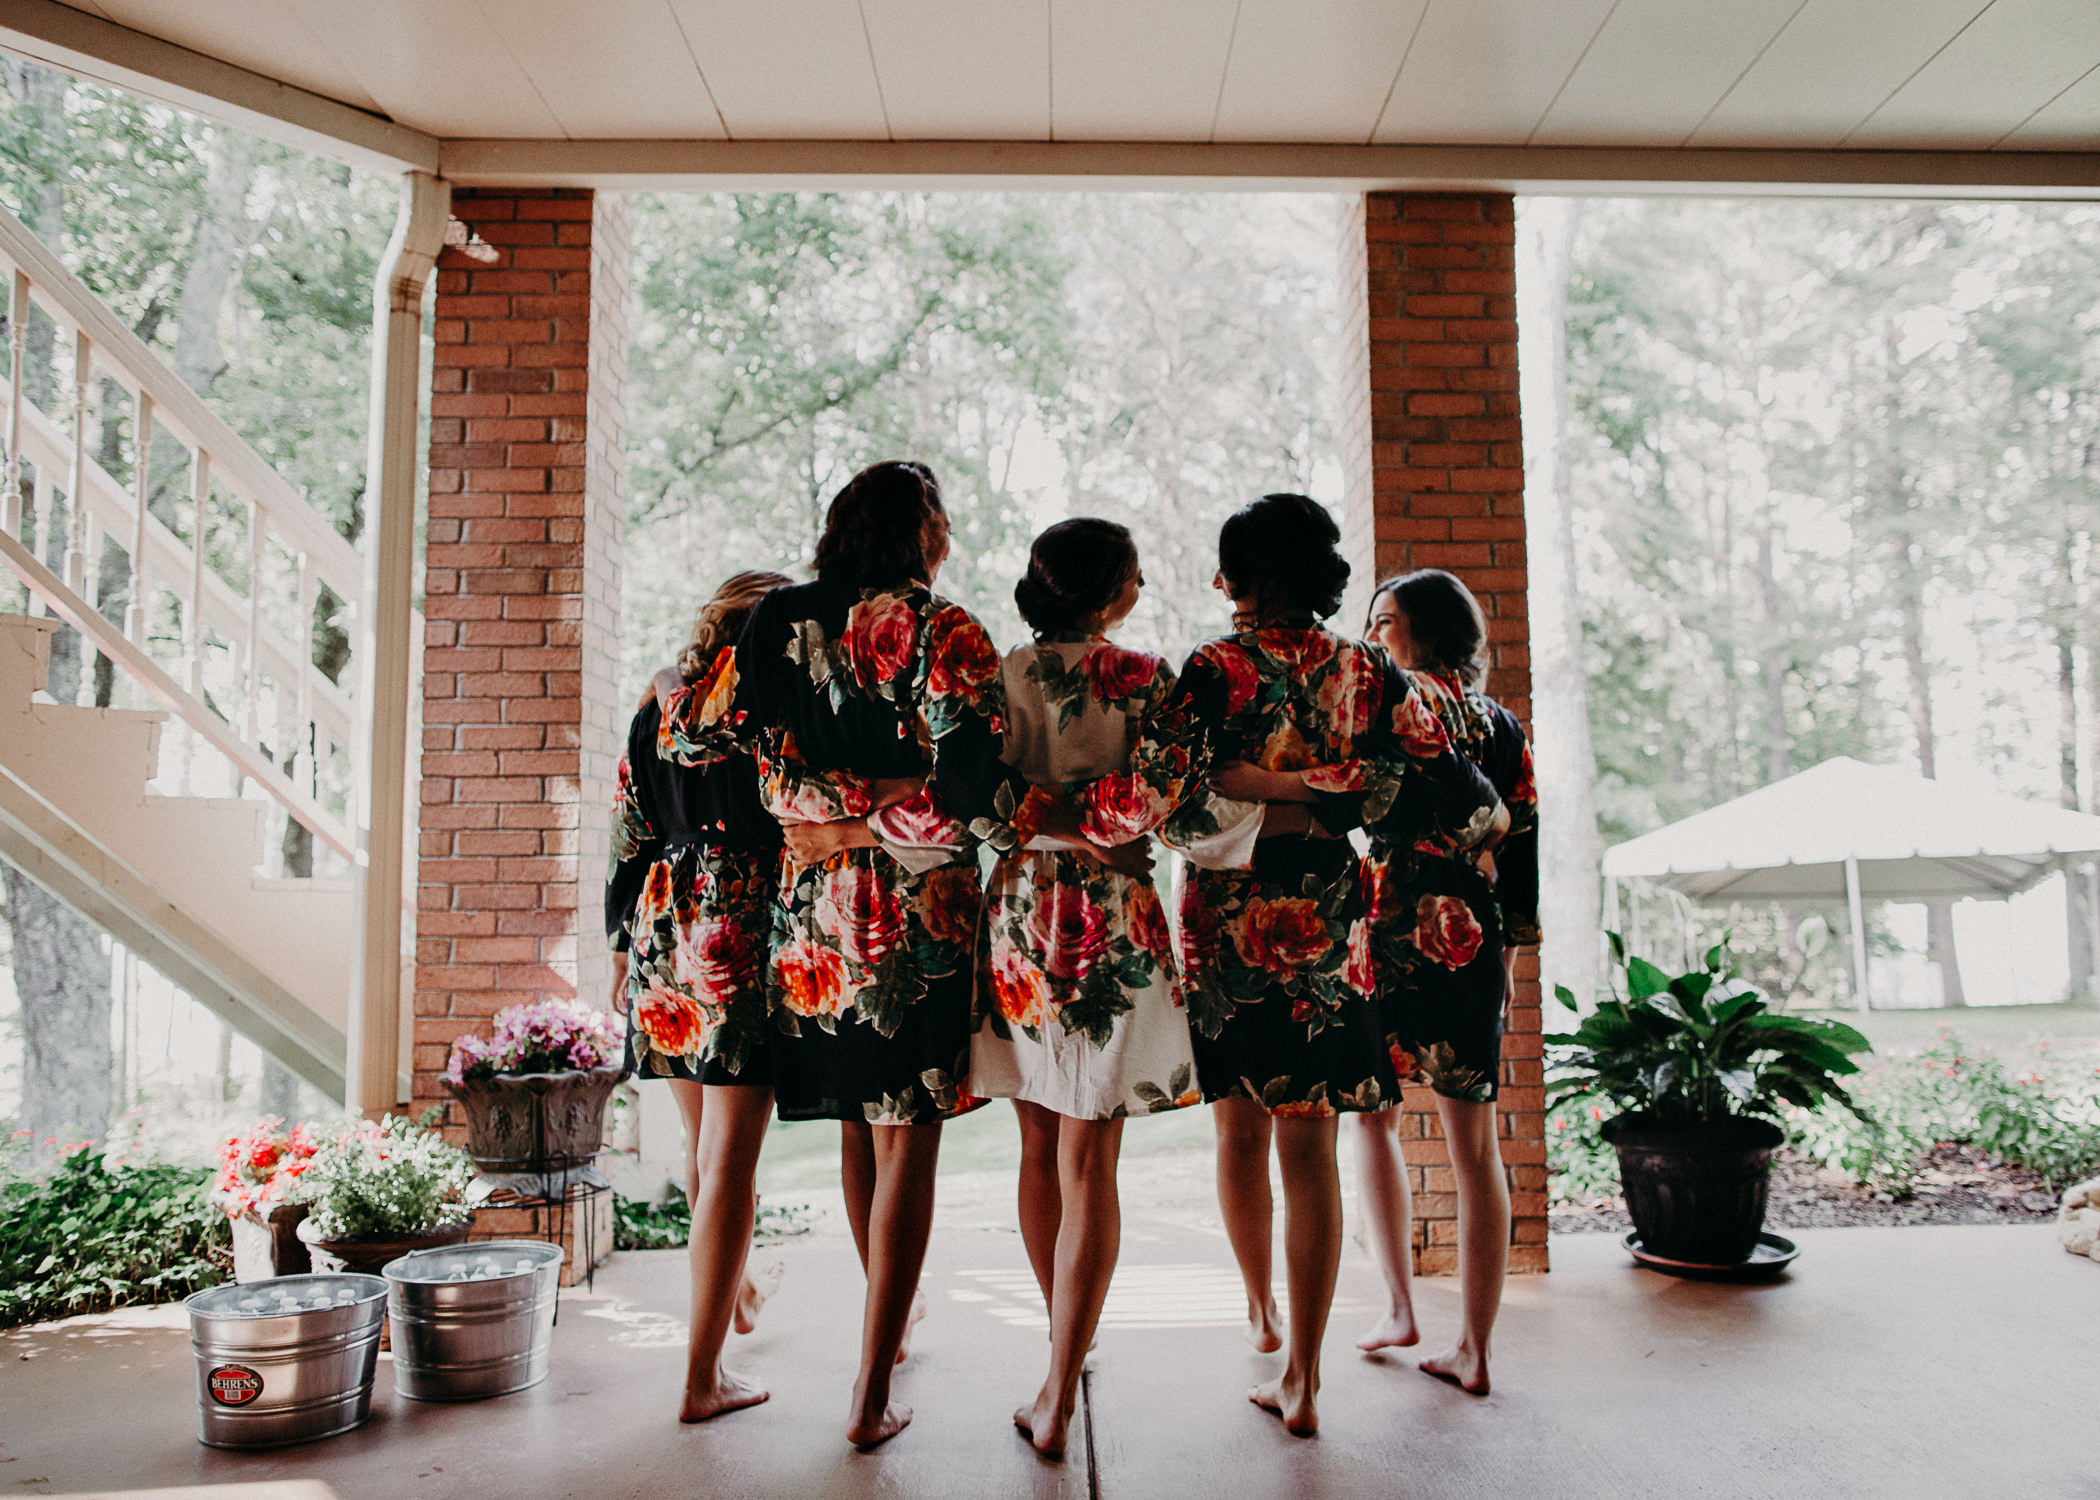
(721, 619)
(1449, 630)
(875, 531)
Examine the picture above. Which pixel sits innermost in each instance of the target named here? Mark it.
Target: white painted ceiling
(1944, 74)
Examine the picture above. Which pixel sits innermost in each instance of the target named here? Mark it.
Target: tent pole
(1859, 933)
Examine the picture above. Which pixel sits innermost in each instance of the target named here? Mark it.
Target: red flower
(1018, 987)
(1148, 924)
(812, 977)
(1120, 808)
(1526, 790)
(800, 799)
(1405, 1066)
(1376, 877)
(1302, 1109)
(671, 1021)
(917, 822)
(861, 910)
(880, 635)
(1303, 651)
(1419, 730)
(716, 960)
(1241, 676)
(656, 895)
(1446, 931)
(1202, 930)
(961, 657)
(1114, 674)
(1351, 692)
(1359, 972)
(950, 901)
(1281, 936)
(1347, 776)
(1069, 930)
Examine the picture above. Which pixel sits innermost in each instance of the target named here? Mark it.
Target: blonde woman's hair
(721, 619)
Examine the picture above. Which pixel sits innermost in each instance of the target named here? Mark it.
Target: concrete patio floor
(1910, 1362)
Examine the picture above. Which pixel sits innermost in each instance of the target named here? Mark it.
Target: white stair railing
(274, 704)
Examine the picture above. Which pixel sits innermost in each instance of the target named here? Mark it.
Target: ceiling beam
(1074, 165)
(93, 48)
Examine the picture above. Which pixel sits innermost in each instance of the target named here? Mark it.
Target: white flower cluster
(387, 1178)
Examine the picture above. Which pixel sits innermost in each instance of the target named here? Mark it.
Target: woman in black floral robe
(867, 674)
(1276, 958)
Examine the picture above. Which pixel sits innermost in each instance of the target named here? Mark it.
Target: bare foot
(1395, 1331)
(1461, 1366)
(911, 1324)
(728, 1393)
(873, 1429)
(1264, 1327)
(1047, 1424)
(759, 1287)
(1295, 1406)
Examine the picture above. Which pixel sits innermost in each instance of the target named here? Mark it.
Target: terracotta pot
(266, 1246)
(364, 1256)
(538, 1135)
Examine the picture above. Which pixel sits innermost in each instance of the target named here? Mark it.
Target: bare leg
(1089, 1235)
(1483, 1239)
(730, 1136)
(1248, 1209)
(1388, 1210)
(900, 1220)
(1040, 1203)
(690, 1097)
(1312, 1259)
(857, 1176)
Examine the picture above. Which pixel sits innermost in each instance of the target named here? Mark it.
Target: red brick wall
(521, 608)
(1435, 474)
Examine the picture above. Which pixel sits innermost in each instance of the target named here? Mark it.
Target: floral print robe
(1276, 959)
(1080, 1006)
(689, 898)
(872, 971)
(1440, 924)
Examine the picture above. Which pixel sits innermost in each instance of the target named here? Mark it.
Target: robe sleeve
(1517, 856)
(1419, 787)
(637, 839)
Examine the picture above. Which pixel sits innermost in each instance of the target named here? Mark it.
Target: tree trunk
(1939, 915)
(1567, 763)
(2078, 927)
(62, 976)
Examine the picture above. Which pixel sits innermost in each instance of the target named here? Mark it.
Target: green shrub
(1953, 1093)
(666, 1226)
(1580, 1163)
(90, 1236)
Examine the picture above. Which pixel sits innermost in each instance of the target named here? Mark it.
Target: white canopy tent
(1844, 830)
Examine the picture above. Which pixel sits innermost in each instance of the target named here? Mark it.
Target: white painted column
(1859, 932)
(373, 1078)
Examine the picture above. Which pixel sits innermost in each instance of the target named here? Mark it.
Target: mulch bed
(1957, 1185)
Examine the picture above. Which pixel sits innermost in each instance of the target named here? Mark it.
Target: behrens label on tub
(234, 1385)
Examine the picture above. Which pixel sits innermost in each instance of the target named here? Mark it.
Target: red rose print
(1302, 651)
(1350, 694)
(1525, 790)
(1281, 936)
(1202, 930)
(812, 977)
(949, 904)
(1241, 676)
(1113, 674)
(1148, 924)
(1348, 776)
(1405, 1064)
(656, 895)
(1360, 973)
(918, 822)
(794, 798)
(1068, 930)
(1018, 987)
(1120, 808)
(671, 1021)
(1446, 931)
(961, 657)
(715, 961)
(880, 635)
(861, 911)
(1419, 730)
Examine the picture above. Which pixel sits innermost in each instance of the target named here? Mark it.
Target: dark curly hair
(1076, 569)
(875, 531)
(1445, 620)
(1282, 555)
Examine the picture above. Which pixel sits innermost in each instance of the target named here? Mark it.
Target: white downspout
(1859, 932)
(372, 1076)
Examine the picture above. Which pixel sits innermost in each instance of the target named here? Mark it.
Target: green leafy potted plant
(535, 1093)
(381, 1189)
(1696, 1064)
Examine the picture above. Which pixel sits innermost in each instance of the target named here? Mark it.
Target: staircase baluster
(18, 357)
(141, 486)
(74, 570)
(303, 665)
(257, 531)
(200, 502)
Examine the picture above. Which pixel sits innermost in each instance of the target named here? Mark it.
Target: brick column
(1435, 476)
(521, 730)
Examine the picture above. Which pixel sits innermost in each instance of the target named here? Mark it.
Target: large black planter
(538, 1135)
(1696, 1193)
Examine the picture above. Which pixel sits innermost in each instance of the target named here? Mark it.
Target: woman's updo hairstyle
(875, 531)
(1281, 555)
(721, 619)
(1076, 569)
(1445, 622)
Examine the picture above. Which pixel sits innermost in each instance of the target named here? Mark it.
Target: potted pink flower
(535, 1091)
(257, 1167)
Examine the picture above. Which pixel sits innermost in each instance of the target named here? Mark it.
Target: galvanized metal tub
(472, 1321)
(275, 1368)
